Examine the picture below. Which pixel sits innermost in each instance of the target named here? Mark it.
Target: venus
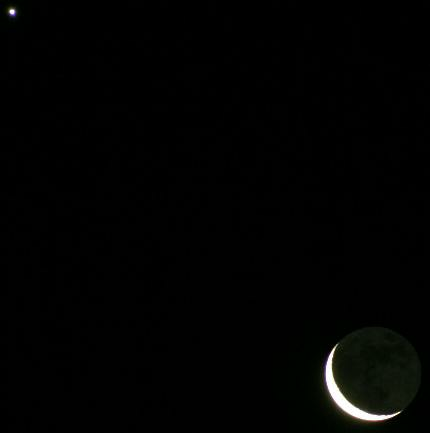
(373, 374)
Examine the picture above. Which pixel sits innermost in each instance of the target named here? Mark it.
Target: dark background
(201, 201)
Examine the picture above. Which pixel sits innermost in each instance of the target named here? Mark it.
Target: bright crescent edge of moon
(342, 402)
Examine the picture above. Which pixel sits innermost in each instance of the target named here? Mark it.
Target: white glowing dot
(12, 12)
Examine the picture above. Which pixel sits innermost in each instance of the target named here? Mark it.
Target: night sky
(201, 202)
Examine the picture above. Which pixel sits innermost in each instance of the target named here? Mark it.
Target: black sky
(201, 202)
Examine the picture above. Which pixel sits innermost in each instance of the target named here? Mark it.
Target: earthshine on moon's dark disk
(373, 373)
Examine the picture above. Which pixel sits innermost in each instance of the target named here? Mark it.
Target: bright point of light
(342, 402)
(12, 12)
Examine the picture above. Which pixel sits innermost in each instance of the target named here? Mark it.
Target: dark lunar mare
(377, 370)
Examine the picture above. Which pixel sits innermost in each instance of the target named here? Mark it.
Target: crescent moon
(340, 399)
